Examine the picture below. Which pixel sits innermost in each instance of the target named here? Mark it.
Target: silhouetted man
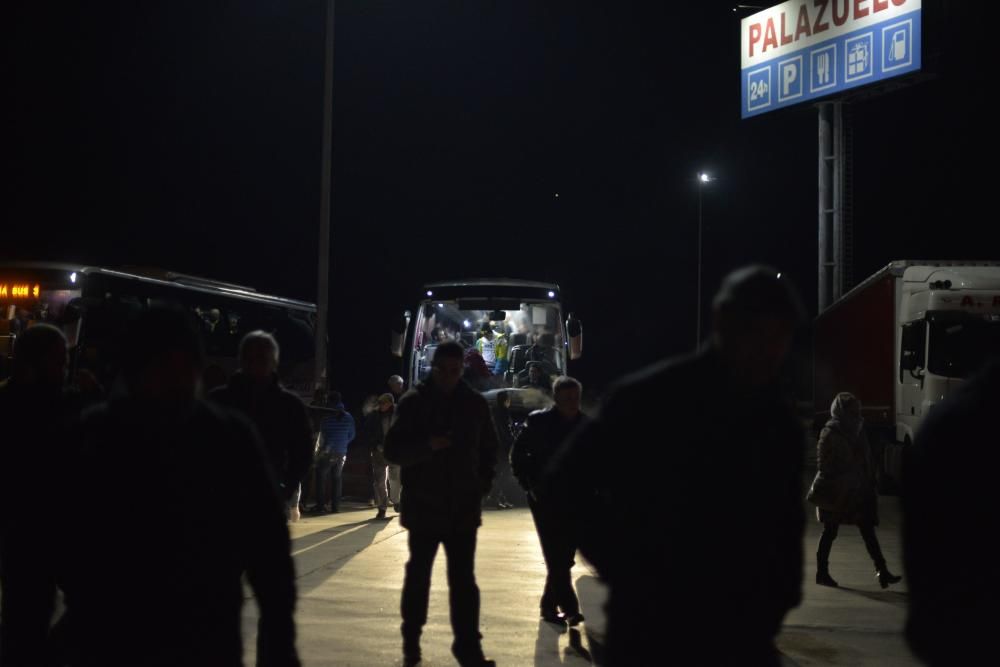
(159, 584)
(544, 432)
(280, 416)
(949, 519)
(703, 558)
(33, 413)
(445, 442)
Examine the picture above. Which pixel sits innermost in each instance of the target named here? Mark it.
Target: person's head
(846, 408)
(259, 355)
(448, 366)
(334, 398)
(40, 358)
(396, 385)
(486, 330)
(162, 358)
(386, 403)
(534, 372)
(503, 399)
(755, 316)
(567, 393)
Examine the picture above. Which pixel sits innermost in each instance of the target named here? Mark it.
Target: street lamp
(703, 179)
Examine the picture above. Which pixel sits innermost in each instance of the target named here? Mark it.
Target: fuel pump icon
(897, 47)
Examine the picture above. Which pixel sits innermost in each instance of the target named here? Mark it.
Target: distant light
(557, 195)
(552, 295)
(467, 324)
(440, 305)
(430, 293)
(704, 178)
(779, 274)
(72, 277)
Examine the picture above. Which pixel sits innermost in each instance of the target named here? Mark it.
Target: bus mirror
(396, 343)
(398, 338)
(574, 329)
(498, 315)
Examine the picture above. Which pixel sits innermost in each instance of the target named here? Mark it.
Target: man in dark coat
(543, 433)
(711, 540)
(949, 515)
(445, 442)
(160, 584)
(280, 416)
(34, 414)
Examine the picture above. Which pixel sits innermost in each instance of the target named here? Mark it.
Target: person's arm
(521, 463)
(408, 442)
(352, 431)
(825, 453)
(269, 567)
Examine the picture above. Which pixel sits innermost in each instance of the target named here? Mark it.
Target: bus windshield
(505, 345)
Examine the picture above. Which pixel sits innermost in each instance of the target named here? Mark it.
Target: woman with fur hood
(844, 490)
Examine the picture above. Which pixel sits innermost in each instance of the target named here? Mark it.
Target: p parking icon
(790, 79)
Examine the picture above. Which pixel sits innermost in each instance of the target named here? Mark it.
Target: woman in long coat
(844, 462)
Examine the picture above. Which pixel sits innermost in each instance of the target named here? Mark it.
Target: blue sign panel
(873, 53)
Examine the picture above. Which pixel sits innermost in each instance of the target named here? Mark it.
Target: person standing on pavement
(375, 429)
(844, 462)
(446, 443)
(161, 583)
(35, 414)
(505, 437)
(949, 526)
(715, 544)
(336, 431)
(280, 416)
(543, 433)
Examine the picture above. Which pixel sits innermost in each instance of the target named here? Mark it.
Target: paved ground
(350, 572)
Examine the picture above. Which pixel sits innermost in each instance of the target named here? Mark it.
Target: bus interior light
(72, 277)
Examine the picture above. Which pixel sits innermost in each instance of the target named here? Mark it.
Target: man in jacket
(445, 442)
(725, 450)
(279, 415)
(35, 415)
(376, 427)
(543, 433)
(169, 589)
(949, 511)
(336, 431)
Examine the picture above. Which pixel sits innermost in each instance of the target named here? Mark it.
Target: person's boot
(411, 653)
(823, 577)
(884, 576)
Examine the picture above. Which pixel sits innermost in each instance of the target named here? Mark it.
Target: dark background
(186, 135)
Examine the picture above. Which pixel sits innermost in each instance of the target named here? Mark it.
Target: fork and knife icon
(823, 68)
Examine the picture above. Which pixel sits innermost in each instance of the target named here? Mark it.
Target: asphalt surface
(350, 573)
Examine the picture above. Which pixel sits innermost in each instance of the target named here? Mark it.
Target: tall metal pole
(697, 329)
(325, 205)
(825, 283)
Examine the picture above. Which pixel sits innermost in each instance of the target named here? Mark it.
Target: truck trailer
(902, 341)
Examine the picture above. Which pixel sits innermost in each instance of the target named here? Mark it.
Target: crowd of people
(157, 453)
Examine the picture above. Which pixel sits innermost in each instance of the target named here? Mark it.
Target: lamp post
(703, 178)
(326, 196)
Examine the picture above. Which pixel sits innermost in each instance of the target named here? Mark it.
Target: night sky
(186, 135)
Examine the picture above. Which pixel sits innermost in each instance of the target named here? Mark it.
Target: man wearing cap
(376, 426)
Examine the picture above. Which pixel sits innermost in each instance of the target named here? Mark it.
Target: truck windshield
(960, 346)
(533, 332)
